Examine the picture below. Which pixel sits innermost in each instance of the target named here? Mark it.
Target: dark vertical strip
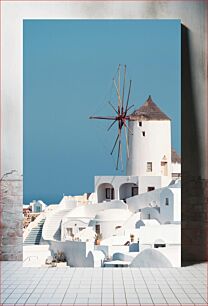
(194, 208)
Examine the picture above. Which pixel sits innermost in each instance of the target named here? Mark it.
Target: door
(134, 191)
(164, 168)
(97, 229)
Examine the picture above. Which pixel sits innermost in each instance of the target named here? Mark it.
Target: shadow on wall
(194, 235)
(78, 254)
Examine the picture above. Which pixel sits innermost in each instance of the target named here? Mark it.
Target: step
(33, 238)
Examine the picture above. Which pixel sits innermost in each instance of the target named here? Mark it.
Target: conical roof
(148, 111)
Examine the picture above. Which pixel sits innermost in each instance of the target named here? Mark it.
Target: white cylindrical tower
(150, 144)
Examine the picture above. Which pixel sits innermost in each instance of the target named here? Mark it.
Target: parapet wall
(78, 254)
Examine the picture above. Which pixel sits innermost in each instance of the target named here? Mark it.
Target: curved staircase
(35, 234)
(52, 226)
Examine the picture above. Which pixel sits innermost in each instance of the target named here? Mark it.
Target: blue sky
(68, 70)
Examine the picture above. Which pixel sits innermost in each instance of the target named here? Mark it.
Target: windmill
(121, 115)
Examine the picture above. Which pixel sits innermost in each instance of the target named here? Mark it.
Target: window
(69, 231)
(143, 133)
(97, 228)
(118, 226)
(166, 201)
(109, 193)
(164, 168)
(37, 209)
(159, 245)
(81, 228)
(148, 216)
(149, 166)
(140, 123)
(134, 191)
(150, 188)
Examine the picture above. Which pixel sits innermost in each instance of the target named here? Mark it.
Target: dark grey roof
(148, 111)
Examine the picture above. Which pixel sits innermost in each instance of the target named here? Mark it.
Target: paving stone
(188, 286)
(81, 301)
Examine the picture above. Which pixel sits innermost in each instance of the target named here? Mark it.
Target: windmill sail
(121, 115)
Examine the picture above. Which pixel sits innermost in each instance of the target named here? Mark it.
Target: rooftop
(175, 157)
(148, 111)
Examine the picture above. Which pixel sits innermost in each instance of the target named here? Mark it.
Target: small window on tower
(149, 166)
(143, 133)
(166, 201)
(140, 123)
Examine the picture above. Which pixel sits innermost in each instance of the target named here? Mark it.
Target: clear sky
(68, 71)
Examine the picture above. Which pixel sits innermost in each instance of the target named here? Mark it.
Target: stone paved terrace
(103, 286)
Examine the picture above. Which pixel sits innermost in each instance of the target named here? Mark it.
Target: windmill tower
(149, 143)
(147, 138)
(147, 135)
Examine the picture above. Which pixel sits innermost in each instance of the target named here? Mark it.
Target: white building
(176, 164)
(151, 163)
(37, 206)
(130, 214)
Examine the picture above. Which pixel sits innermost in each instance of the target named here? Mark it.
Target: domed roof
(148, 111)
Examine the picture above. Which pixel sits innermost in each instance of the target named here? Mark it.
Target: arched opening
(128, 190)
(105, 192)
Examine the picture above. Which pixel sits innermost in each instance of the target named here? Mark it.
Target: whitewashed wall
(169, 233)
(149, 148)
(151, 181)
(176, 167)
(109, 220)
(143, 200)
(122, 184)
(115, 182)
(78, 254)
(172, 211)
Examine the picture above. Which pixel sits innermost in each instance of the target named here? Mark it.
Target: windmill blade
(129, 108)
(118, 95)
(121, 156)
(111, 125)
(128, 128)
(104, 118)
(115, 144)
(113, 107)
(127, 142)
(119, 77)
(127, 102)
(123, 87)
(119, 145)
(119, 152)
